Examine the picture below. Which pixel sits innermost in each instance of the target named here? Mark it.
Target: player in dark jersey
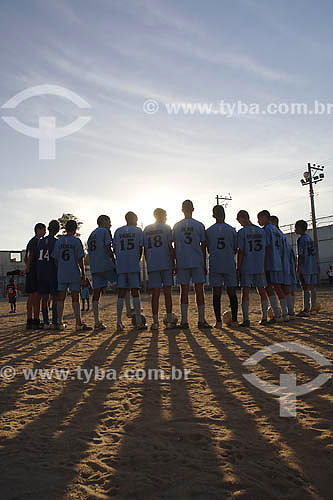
(306, 269)
(46, 268)
(30, 259)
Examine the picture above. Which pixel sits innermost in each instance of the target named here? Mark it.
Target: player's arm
(110, 252)
(240, 255)
(204, 254)
(83, 271)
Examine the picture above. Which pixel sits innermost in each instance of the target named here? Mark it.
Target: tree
(65, 218)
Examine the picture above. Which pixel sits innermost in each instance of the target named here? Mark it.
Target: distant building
(11, 260)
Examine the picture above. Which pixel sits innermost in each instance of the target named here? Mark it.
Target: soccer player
(289, 270)
(190, 245)
(306, 268)
(251, 244)
(46, 269)
(222, 246)
(274, 267)
(68, 252)
(11, 292)
(160, 259)
(30, 259)
(128, 245)
(85, 294)
(102, 262)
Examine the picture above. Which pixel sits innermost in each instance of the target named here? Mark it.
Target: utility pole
(313, 175)
(224, 200)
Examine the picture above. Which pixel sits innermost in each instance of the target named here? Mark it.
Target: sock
(234, 306)
(54, 313)
(274, 305)
(169, 317)
(128, 302)
(60, 311)
(201, 313)
(120, 305)
(137, 309)
(313, 300)
(45, 313)
(217, 307)
(264, 309)
(283, 304)
(95, 311)
(306, 300)
(184, 308)
(77, 312)
(245, 310)
(290, 304)
(155, 318)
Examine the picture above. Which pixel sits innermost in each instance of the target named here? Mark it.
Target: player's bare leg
(36, 310)
(95, 307)
(200, 298)
(245, 306)
(217, 294)
(155, 299)
(283, 303)
(61, 296)
(45, 309)
(120, 304)
(168, 307)
(80, 327)
(313, 297)
(231, 291)
(184, 305)
(273, 302)
(54, 310)
(264, 305)
(29, 310)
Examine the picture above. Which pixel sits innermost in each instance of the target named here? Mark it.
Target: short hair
(54, 226)
(187, 205)
(275, 219)
(159, 212)
(101, 219)
(243, 214)
(264, 213)
(38, 226)
(218, 212)
(129, 215)
(302, 224)
(71, 226)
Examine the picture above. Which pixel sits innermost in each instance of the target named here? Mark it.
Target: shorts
(274, 277)
(31, 282)
(12, 300)
(196, 274)
(158, 279)
(101, 280)
(256, 280)
(84, 294)
(73, 287)
(309, 279)
(222, 279)
(293, 287)
(47, 285)
(128, 280)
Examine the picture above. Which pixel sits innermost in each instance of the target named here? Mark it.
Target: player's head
(160, 215)
(54, 227)
(301, 226)
(40, 229)
(71, 227)
(131, 219)
(243, 218)
(264, 217)
(219, 213)
(187, 207)
(274, 220)
(104, 221)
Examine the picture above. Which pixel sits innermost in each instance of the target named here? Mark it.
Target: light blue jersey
(307, 255)
(99, 258)
(252, 241)
(292, 264)
(157, 238)
(222, 246)
(275, 248)
(285, 258)
(187, 235)
(68, 250)
(127, 244)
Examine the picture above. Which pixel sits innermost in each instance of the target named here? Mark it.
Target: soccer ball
(318, 307)
(174, 319)
(227, 318)
(270, 313)
(143, 320)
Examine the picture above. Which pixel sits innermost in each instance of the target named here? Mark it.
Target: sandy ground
(212, 436)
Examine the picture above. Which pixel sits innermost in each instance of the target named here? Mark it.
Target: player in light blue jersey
(69, 254)
(251, 244)
(128, 245)
(190, 245)
(306, 268)
(288, 271)
(274, 267)
(102, 263)
(222, 246)
(159, 254)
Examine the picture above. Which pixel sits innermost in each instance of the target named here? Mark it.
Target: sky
(116, 55)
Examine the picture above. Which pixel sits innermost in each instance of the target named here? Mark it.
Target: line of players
(256, 256)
